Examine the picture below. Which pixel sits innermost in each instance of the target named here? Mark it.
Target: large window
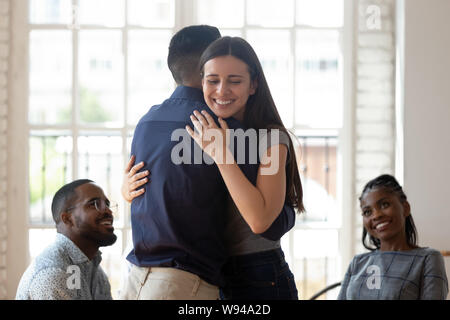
(96, 66)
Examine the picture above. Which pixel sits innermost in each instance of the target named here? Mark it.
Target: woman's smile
(227, 86)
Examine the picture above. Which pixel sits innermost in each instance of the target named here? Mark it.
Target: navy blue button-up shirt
(180, 219)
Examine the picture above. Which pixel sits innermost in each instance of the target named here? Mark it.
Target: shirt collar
(190, 93)
(74, 252)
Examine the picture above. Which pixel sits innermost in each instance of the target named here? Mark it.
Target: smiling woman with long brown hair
(234, 85)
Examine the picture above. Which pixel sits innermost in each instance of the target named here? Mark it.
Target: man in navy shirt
(179, 221)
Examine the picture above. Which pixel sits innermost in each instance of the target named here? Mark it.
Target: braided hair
(389, 184)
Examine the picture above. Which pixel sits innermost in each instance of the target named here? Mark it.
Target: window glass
(151, 13)
(50, 77)
(100, 159)
(113, 262)
(273, 48)
(39, 239)
(320, 13)
(50, 167)
(318, 163)
(231, 32)
(149, 79)
(269, 13)
(50, 11)
(319, 79)
(109, 13)
(219, 13)
(101, 82)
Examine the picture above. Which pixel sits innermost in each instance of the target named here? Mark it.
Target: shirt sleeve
(286, 218)
(51, 284)
(344, 285)
(282, 224)
(434, 283)
(272, 138)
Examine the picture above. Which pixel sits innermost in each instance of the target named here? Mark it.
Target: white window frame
(185, 14)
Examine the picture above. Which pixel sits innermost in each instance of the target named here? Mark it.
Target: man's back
(180, 219)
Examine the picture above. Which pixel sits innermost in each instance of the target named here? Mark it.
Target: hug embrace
(208, 212)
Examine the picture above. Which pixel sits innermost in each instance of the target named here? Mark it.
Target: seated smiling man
(69, 268)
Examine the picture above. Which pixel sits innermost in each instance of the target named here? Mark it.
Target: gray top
(417, 274)
(239, 237)
(63, 272)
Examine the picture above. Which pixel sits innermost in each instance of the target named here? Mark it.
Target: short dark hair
(64, 195)
(389, 184)
(185, 49)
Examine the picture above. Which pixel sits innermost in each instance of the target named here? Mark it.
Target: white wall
(427, 119)
(4, 55)
(374, 105)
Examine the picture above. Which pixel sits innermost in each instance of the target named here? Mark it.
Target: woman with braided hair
(396, 268)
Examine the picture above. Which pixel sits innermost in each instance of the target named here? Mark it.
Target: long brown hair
(260, 110)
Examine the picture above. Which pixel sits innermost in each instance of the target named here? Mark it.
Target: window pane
(231, 32)
(319, 79)
(318, 168)
(50, 11)
(269, 13)
(221, 13)
(129, 141)
(50, 165)
(50, 77)
(320, 13)
(102, 12)
(151, 13)
(315, 243)
(101, 77)
(39, 239)
(273, 48)
(100, 159)
(149, 79)
(112, 262)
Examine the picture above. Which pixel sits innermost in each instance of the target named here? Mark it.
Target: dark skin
(88, 228)
(194, 82)
(384, 215)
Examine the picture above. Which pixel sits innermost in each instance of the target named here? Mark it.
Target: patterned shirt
(396, 275)
(63, 272)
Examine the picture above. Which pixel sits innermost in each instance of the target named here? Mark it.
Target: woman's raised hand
(132, 179)
(212, 139)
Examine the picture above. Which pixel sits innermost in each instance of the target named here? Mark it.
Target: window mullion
(75, 100)
(185, 13)
(245, 26)
(124, 131)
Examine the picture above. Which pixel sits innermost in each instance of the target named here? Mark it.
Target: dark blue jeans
(258, 276)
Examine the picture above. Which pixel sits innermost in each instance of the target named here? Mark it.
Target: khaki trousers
(155, 283)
